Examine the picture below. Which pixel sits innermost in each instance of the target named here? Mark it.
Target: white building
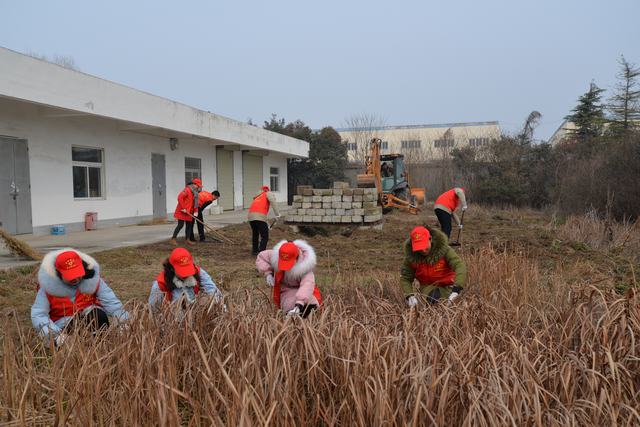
(72, 143)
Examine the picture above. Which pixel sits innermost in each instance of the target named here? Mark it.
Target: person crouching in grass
(72, 294)
(182, 281)
(440, 272)
(288, 268)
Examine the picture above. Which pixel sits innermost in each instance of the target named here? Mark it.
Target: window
(413, 143)
(443, 143)
(274, 179)
(385, 145)
(192, 169)
(352, 146)
(88, 172)
(478, 142)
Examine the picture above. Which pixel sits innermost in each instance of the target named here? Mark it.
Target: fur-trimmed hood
(438, 249)
(52, 284)
(305, 264)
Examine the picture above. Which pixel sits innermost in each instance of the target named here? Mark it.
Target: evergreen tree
(588, 115)
(624, 105)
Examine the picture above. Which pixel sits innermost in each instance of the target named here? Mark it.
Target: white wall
(127, 164)
(277, 161)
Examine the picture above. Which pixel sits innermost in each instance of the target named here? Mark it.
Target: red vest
(60, 307)
(168, 295)
(278, 283)
(438, 274)
(204, 197)
(448, 199)
(260, 204)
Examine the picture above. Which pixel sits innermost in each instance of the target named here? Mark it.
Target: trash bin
(90, 220)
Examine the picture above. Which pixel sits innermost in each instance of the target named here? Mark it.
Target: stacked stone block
(338, 205)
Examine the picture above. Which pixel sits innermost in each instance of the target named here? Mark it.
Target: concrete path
(109, 238)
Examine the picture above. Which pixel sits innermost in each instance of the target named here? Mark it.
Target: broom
(18, 247)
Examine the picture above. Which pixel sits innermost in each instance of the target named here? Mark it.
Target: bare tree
(65, 61)
(624, 105)
(362, 129)
(526, 135)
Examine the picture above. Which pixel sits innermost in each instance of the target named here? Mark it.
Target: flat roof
(37, 81)
(439, 125)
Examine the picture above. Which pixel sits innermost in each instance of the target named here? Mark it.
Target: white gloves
(278, 216)
(183, 210)
(412, 301)
(460, 226)
(452, 297)
(270, 280)
(464, 208)
(295, 311)
(60, 339)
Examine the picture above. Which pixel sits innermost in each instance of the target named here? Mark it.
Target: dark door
(158, 184)
(15, 187)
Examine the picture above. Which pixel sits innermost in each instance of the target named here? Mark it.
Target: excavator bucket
(366, 180)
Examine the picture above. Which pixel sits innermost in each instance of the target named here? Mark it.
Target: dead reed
(522, 347)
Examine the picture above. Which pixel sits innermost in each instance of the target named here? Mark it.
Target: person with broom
(204, 200)
(183, 281)
(445, 207)
(440, 272)
(185, 210)
(258, 211)
(288, 269)
(71, 294)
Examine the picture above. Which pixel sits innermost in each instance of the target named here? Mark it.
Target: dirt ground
(367, 253)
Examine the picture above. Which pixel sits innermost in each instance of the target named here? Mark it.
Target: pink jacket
(298, 283)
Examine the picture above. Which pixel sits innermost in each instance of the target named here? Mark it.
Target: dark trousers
(200, 224)
(94, 320)
(445, 221)
(259, 229)
(188, 234)
(307, 310)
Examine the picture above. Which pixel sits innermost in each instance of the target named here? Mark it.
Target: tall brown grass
(521, 347)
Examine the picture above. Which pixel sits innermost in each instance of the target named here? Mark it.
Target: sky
(409, 62)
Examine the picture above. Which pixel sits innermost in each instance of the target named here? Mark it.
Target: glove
(278, 216)
(295, 311)
(464, 208)
(452, 297)
(270, 280)
(60, 339)
(183, 210)
(460, 226)
(412, 301)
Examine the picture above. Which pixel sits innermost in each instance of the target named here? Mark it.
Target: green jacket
(439, 249)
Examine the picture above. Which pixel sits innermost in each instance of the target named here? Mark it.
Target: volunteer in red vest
(440, 272)
(204, 200)
(258, 212)
(71, 293)
(445, 207)
(185, 210)
(182, 280)
(288, 268)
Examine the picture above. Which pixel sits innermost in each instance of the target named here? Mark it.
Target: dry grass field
(547, 332)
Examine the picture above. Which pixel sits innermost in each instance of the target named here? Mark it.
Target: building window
(192, 169)
(385, 145)
(413, 143)
(478, 142)
(88, 172)
(274, 179)
(352, 146)
(443, 143)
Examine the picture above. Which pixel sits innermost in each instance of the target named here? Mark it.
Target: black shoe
(202, 240)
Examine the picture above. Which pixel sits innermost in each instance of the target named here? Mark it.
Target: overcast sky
(412, 62)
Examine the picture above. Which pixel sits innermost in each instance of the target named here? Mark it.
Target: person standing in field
(258, 212)
(181, 280)
(185, 210)
(204, 200)
(288, 269)
(445, 207)
(72, 294)
(440, 272)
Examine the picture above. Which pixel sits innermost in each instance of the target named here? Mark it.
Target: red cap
(420, 239)
(265, 188)
(69, 265)
(197, 182)
(182, 262)
(287, 256)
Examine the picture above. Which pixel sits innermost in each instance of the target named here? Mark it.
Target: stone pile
(335, 205)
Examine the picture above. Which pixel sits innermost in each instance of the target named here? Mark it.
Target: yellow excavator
(388, 174)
